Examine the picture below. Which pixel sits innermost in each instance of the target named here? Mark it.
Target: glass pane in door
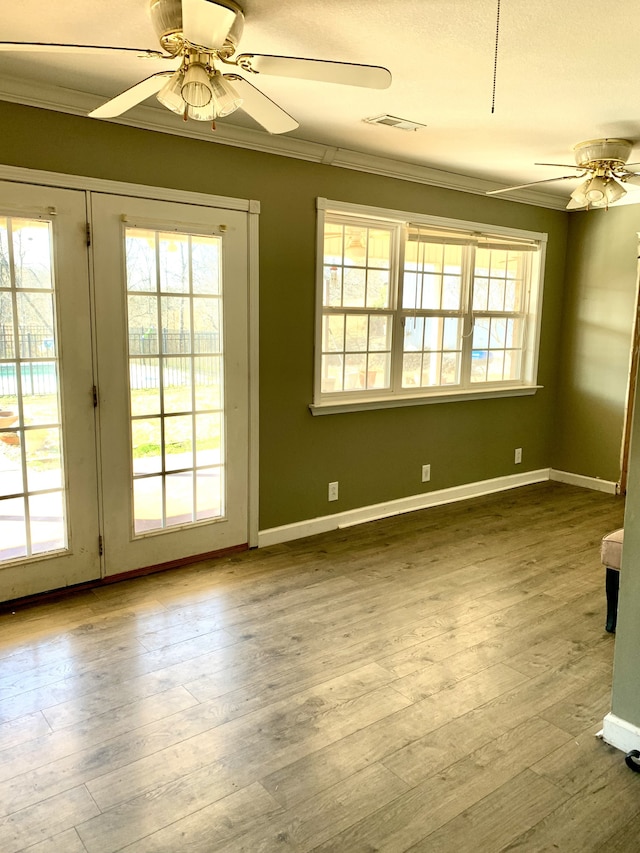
(32, 481)
(176, 395)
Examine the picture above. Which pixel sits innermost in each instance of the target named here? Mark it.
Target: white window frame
(342, 401)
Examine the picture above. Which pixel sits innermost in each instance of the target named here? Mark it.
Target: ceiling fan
(202, 37)
(603, 164)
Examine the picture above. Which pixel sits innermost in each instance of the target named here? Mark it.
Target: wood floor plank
(479, 631)
(145, 693)
(624, 839)
(205, 830)
(180, 661)
(63, 842)
(316, 819)
(583, 710)
(23, 729)
(323, 712)
(495, 821)
(442, 797)
(155, 809)
(321, 768)
(584, 822)
(47, 818)
(573, 765)
(83, 752)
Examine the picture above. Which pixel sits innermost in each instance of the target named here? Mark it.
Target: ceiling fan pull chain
(495, 61)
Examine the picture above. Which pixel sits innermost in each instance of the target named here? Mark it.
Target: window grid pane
(176, 347)
(496, 354)
(357, 264)
(499, 278)
(356, 351)
(432, 351)
(32, 479)
(432, 275)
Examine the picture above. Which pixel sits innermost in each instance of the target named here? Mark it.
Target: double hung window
(415, 309)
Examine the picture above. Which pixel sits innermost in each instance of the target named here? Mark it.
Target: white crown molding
(16, 90)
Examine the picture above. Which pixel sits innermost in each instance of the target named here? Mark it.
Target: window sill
(352, 405)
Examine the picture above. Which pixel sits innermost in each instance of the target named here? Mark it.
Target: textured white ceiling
(567, 71)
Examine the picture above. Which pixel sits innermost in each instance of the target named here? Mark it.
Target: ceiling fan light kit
(603, 162)
(203, 36)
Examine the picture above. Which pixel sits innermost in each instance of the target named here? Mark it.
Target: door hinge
(88, 233)
(100, 546)
(95, 397)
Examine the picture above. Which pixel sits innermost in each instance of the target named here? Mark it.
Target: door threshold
(53, 595)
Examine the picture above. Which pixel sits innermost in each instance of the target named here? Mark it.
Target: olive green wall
(375, 455)
(600, 304)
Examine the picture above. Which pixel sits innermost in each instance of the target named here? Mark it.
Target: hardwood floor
(430, 682)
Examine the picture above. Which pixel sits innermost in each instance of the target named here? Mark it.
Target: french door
(48, 473)
(124, 390)
(172, 354)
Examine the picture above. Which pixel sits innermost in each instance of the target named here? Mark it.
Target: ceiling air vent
(394, 121)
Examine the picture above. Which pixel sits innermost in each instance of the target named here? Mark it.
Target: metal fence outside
(39, 376)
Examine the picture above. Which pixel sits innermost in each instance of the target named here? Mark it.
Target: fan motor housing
(166, 17)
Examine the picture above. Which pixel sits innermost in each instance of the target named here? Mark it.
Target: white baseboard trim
(620, 733)
(594, 483)
(322, 524)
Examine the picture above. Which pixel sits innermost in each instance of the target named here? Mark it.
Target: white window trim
(324, 404)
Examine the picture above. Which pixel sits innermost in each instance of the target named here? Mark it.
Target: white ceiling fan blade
(632, 179)
(561, 165)
(533, 183)
(346, 73)
(131, 97)
(256, 104)
(206, 23)
(48, 47)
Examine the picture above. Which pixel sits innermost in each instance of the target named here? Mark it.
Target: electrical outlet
(333, 491)
(426, 473)
(518, 455)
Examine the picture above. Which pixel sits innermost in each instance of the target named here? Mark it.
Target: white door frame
(252, 208)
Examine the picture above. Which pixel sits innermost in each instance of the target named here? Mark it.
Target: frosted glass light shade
(206, 113)
(226, 98)
(196, 89)
(578, 197)
(613, 192)
(170, 95)
(597, 189)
